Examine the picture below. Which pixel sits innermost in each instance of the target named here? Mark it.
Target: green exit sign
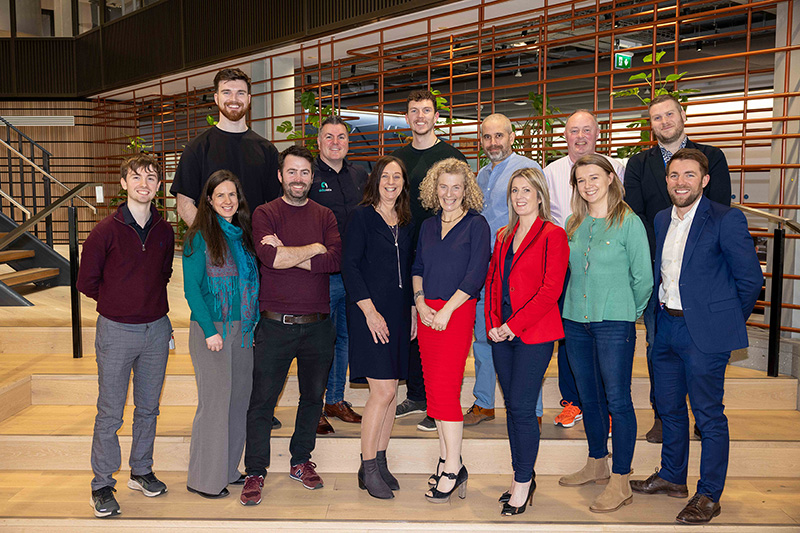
(623, 59)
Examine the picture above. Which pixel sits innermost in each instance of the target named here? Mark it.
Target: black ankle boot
(383, 468)
(369, 479)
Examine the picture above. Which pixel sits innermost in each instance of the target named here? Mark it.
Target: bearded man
(229, 145)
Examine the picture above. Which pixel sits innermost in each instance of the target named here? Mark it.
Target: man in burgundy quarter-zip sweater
(125, 265)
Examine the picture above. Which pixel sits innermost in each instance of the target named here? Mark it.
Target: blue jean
(337, 378)
(601, 356)
(520, 369)
(122, 348)
(680, 368)
(484, 365)
(649, 318)
(482, 352)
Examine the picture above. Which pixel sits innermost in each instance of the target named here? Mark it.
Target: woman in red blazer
(525, 280)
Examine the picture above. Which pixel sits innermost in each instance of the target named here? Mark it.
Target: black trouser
(415, 383)
(276, 345)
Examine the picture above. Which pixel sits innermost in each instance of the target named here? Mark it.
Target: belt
(673, 312)
(295, 319)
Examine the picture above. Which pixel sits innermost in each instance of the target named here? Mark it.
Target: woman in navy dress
(448, 273)
(376, 267)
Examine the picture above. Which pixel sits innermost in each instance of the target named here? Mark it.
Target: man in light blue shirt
(497, 139)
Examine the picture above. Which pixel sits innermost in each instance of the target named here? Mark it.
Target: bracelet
(418, 294)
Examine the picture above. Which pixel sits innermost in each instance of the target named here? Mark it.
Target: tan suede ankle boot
(617, 494)
(595, 470)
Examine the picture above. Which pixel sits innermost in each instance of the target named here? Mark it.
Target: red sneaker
(305, 474)
(251, 492)
(569, 415)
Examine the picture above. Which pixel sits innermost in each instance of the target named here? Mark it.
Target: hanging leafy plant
(659, 85)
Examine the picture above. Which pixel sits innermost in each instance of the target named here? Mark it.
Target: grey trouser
(120, 348)
(224, 381)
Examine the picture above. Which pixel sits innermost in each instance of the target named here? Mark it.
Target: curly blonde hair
(473, 197)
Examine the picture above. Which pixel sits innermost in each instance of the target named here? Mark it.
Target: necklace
(463, 212)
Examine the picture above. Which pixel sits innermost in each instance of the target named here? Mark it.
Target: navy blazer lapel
(383, 228)
(660, 238)
(700, 218)
(658, 172)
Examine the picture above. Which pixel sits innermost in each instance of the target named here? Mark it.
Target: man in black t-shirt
(418, 156)
(230, 145)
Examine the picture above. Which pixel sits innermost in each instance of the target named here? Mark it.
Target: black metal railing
(775, 302)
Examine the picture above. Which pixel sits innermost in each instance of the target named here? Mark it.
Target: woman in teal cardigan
(220, 276)
(611, 281)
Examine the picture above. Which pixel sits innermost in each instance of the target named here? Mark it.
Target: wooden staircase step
(28, 276)
(59, 438)
(748, 506)
(15, 255)
(751, 392)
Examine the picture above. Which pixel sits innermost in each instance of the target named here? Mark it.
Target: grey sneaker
(104, 503)
(427, 424)
(148, 484)
(407, 407)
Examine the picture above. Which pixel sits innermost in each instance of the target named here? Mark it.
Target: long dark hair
(372, 195)
(207, 225)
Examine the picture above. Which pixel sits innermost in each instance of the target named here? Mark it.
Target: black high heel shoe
(510, 510)
(434, 479)
(507, 495)
(438, 496)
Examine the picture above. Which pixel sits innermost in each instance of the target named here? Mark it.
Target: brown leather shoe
(477, 414)
(657, 485)
(656, 433)
(324, 427)
(699, 510)
(343, 411)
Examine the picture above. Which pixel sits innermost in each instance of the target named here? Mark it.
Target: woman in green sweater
(609, 287)
(220, 276)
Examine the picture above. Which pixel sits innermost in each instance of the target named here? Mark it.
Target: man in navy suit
(646, 193)
(707, 280)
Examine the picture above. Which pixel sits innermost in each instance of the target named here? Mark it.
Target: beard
(297, 198)
(497, 154)
(669, 140)
(234, 116)
(687, 201)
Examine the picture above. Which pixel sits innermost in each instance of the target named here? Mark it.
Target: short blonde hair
(473, 197)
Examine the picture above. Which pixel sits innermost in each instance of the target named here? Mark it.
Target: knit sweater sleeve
(194, 276)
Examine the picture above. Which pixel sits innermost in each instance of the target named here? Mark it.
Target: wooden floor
(47, 412)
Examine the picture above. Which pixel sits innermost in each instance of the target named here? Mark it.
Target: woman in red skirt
(449, 270)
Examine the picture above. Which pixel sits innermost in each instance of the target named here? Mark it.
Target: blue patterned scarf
(240, 269)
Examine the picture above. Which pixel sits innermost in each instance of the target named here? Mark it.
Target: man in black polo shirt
(338, 185)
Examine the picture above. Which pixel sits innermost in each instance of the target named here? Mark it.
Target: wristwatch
(418, 294)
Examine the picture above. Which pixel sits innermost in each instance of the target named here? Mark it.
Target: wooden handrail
(12, 235)
(44, 173)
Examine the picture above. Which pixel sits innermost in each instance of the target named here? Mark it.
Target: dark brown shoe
(657, 485)
(324, 427)
(343, 411)
(477, 414)
(656, 434)
(700, 510)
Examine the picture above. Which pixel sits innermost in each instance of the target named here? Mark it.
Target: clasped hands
(503, 333)
(436, 320)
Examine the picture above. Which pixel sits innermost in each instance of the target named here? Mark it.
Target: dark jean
(520, 369)
(415, 384)
(566, 379)
(681, 368)
(276, 345)
(649, 319)
(601, 356)
(337, 378)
